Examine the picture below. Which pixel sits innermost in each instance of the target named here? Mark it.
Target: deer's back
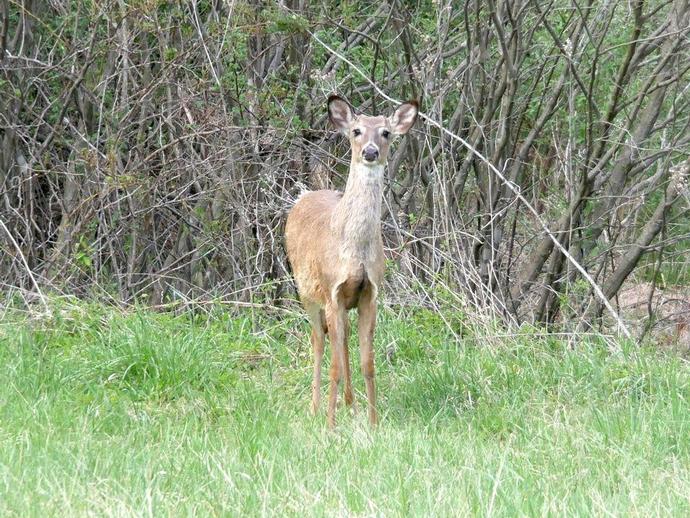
(308, 239)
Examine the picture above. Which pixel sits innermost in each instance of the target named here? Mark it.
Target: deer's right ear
(340, 113)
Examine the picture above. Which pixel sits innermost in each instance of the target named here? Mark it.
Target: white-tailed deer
(335, 249)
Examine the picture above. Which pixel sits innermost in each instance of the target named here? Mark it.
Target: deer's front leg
(349, 393)
(336, 315)
(316, 319)
(367, 321)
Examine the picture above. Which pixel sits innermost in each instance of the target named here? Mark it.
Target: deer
(335, 249)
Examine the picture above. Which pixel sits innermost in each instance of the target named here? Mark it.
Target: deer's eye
(386, 133)
(356, 132)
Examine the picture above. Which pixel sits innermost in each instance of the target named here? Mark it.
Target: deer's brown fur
(335, 249)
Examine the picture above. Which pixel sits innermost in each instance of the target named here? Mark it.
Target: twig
(26, 265)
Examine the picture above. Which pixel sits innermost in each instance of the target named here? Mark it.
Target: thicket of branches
(150, 150)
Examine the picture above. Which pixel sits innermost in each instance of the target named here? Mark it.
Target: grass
(143, 414)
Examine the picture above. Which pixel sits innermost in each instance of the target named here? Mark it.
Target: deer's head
(370, 137)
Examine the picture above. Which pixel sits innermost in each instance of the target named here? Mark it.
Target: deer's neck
(357, 218)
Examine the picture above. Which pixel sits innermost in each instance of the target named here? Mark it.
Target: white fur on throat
(357, 218)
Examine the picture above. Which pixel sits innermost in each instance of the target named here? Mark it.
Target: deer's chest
(351, 290)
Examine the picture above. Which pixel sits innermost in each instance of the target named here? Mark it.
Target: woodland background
(149, 150)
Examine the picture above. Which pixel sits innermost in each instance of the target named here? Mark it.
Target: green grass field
(143, 414)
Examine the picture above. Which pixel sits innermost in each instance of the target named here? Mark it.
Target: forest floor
(131, 413)
(670, 307)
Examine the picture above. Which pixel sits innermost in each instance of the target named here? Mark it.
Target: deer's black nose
(370, 153)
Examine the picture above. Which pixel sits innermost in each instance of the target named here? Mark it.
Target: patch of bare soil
(669, 309)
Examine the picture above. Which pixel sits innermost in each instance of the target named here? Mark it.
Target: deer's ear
(404, 117)
(340, 113)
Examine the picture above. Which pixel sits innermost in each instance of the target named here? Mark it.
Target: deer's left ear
(404, 117)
